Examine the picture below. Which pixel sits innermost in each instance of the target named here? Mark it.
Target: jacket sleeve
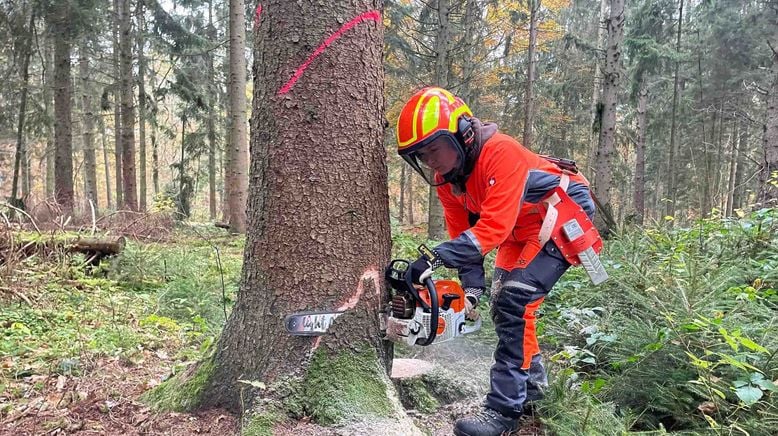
(505, 174)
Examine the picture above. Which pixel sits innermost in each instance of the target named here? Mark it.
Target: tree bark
(606, 149)
(671, 166)
(597, 82)
(733, 158)
(411, 220)
(436, 225)
(741, 168)
(90, 164)
(63, 92)
(327, 224)
(21, 153)
(154, 146)
(237, 150)
(48, 104)
(529, 97)
(401, 214)
(106, 164)
(211, 127)
(640, 153)
(129, 181)
(768, 190)
(141, 20)
(117, 119)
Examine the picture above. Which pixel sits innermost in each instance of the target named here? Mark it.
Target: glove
(419, 270)
(471, 303)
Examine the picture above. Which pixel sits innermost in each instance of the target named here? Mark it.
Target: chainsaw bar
(310, 323)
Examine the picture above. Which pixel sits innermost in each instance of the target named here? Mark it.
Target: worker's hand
(471, 307)
(419, 270)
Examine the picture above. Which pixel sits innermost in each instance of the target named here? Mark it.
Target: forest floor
(681, 338)
(81, 344)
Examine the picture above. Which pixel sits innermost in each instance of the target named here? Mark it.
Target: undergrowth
(681, 338)
(161, 299)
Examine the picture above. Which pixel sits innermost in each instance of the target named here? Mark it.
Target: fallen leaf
(61, 380)
(707, 407)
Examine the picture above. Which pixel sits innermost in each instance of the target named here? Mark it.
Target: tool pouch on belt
(568, 225)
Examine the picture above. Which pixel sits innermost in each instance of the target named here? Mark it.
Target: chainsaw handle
(471, 328)
(434, 311)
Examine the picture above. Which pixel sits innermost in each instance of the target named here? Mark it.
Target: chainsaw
(423, 315)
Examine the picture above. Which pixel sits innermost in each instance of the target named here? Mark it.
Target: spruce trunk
(318, 234)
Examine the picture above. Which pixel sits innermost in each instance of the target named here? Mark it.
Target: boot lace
(488, 415)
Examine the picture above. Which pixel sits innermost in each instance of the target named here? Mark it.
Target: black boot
(487, 422)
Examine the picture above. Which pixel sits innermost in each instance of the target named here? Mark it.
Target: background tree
(61, 21)
(236, 183)
(129, 176)
(87, 115)
(612, 84)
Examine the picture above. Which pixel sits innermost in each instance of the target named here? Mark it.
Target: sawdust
(406, 368)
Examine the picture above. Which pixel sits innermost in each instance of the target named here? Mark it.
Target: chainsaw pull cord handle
(434, 311)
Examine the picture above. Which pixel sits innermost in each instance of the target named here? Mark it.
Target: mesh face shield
(437, 159)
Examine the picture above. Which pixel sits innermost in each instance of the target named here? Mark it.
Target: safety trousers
(518, 375)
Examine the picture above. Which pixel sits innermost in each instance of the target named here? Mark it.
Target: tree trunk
(597, 83)
(21, 154)
(410, 198)
(141, 20)
(472, 42)
(90, 164)
(237, 150)
(401, 213)
(606, 148)
(48, 100)
(768, 189)
(117, 119)
(106, 164)
(129, 182)
(63, 92)
(671, 166)
(529, 98)
(640, 153)
(733, 158)
(183, 201)
(741, 168)
(211, 96)
(331, 256)
(436, 225)
(154, 146)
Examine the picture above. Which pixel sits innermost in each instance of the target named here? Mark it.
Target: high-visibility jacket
(502, 192)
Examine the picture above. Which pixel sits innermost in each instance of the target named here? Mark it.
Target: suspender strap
(549, 221)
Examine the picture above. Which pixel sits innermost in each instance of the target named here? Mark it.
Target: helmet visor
(440, 156)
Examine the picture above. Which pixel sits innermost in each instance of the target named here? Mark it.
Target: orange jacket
(508, 180)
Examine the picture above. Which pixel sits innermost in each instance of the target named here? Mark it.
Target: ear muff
(465, 131)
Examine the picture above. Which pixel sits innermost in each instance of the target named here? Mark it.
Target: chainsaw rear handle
(398, 279)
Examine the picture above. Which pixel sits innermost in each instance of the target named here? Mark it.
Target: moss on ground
(182, 392)
(260, 424)
(337, 388)
(431, 390)
(415, 394)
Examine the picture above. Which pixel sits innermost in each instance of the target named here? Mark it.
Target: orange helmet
(433, 113)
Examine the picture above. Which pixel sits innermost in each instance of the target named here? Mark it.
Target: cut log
(103, 247)
(95, 249)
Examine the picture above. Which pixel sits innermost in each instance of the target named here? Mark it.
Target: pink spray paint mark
(371, 273)
(257, 15)
(372, 15)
